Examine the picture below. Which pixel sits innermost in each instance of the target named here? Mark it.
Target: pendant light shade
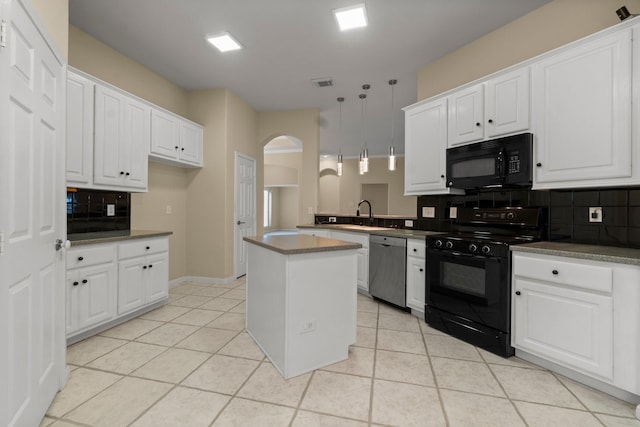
(339, 165)
(364, 155)
(392, 149)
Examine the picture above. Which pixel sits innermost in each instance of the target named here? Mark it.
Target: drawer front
(362, 238)
(141, 247)
(416, 248)
(88, 255)
(564, 271)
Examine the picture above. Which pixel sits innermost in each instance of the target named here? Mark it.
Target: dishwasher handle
(387, 241)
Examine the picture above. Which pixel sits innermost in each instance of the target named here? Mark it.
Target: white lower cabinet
(143, 269)
(108, 280)
(363, 254)
(577, 314)
(416, 274)
(314, 232)
(92, 278)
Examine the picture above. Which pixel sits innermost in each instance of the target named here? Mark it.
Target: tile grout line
(435, 379)
(373, 373)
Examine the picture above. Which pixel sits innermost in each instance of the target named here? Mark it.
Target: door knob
(240, 222)
(60, 244)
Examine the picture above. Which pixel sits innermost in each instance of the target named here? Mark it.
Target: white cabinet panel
(175, 140)
(91, 294)
(582, 113)
(130, 285)
(425, 149)
(191, 139)
(165, 134)
(507, 103)
(79, 152)
(416, 283)
(466, 115)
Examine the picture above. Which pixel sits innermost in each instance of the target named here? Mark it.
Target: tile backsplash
(95, 210)
(568, 212)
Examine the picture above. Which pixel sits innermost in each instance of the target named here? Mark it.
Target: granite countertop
(383, 231)
(78, 239)
(588, 252)
(292, 244)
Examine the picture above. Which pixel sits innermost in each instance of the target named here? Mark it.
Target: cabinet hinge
(3, 33)
(1, 243)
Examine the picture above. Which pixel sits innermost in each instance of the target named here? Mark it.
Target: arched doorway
(282, 176)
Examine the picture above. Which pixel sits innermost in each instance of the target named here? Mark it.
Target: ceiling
(287, 43)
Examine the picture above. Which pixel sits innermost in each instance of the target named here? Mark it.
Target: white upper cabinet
(425, 148)
(498, 106)
(582, 114)
(79, 129)
(122, 135)
(175, 140)
(466, 115)
(507, 103)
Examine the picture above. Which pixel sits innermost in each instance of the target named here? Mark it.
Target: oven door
(474, 287)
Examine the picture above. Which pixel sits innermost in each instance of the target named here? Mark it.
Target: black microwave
(501, 162)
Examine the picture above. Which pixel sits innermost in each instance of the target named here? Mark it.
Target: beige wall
(54, 15)
(302, 124)
(552, 25)
(288, 212)
(350, 183)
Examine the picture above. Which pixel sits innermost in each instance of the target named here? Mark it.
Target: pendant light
(340, 165)
(364, 158)
(392, 149)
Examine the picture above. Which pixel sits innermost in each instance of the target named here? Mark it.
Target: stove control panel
(465, 245)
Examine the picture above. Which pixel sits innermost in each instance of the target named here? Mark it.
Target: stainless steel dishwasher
(387, 268)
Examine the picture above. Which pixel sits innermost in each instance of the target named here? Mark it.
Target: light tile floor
(191, 363)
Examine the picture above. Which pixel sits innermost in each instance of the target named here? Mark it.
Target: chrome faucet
(370, 211)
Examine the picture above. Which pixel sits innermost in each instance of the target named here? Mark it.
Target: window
(267, 208)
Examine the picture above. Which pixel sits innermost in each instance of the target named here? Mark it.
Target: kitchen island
(301, 300)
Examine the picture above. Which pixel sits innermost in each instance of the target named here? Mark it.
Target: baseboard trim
(201, 279)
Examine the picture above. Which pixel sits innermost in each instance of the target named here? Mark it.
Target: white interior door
(245, 209)
(32, 217)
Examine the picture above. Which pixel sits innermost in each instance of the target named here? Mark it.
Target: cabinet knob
(84, 281)
(538, 164)
(121, 172)
(490, 120)
(150, 265)
(127, 174)
(518, 292)
(182, 149)
(442, 176)
(421, 270)
(478, 124)
(176, 147)
(144, 267)
(80, 258)
(75, 283)
(148, 247)
(554, 272)
(415, 250)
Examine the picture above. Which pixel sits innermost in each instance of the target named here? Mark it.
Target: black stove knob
(486, 249)
(438, 243)
(473, 247)
(449, 244)
(511, 215)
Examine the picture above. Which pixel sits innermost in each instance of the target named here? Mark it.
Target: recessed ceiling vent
(324, 82)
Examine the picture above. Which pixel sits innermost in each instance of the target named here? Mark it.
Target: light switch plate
(595, 214)
(408, 223)
(453, 212)
(429, 212)
(111, 210)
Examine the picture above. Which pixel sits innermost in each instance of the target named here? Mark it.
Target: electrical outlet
(308, 326)
(453, 212)
(332, 219)
(408, 223)
(111, 209)
(595, 214)
(429, 212)
(168, 210)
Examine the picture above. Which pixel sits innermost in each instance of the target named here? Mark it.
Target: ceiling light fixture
(392, 149)
(224, 42)
(364, 155)
(351, 17)
(340, 165)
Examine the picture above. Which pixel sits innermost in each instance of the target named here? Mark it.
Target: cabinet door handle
(478, 124)
(148, 247)
(121, 172)
(421, 270)
(144, 267)
(442, 176)
(176, 147)
(490, 121)
(182, 149)
(554, 272)
(127, 174)
(84, 281)
(518, 292)
(150, 265)
(75, 283)
(415, 250)
(539, 165)
(80, 258)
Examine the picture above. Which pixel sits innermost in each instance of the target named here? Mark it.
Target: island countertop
(589, 252)
(291, 244)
